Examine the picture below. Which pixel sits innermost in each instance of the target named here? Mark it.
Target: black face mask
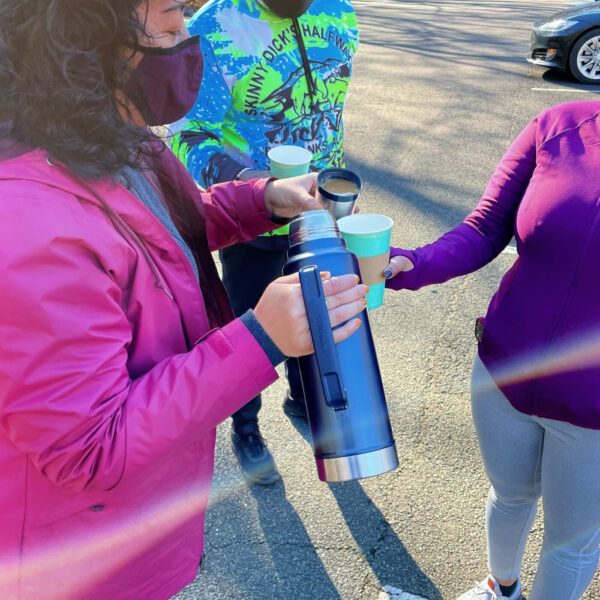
(288, 9)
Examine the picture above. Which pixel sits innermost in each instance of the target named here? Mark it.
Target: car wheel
(584, 58)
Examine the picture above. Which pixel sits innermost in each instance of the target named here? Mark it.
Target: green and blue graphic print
(254, 92)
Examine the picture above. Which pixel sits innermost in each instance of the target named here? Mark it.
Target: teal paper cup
(368, 237)
(289, 161)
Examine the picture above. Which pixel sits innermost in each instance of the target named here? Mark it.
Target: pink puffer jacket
(111, 385)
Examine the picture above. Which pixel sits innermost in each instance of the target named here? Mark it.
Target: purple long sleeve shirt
(541, 340)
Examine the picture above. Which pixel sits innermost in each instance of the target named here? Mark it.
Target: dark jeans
(247, 271)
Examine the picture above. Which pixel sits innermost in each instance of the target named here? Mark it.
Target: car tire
(578, 64)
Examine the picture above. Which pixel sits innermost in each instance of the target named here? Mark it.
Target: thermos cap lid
(313, 225)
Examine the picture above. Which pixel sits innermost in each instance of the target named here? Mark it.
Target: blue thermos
(345, 401)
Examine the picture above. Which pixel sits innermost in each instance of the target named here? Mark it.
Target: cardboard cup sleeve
(372, 267)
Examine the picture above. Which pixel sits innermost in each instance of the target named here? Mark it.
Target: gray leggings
(527, 457)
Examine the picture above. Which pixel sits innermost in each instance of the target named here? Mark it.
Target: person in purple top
(536, 380)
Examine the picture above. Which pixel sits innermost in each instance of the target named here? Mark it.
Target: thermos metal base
(357, 466)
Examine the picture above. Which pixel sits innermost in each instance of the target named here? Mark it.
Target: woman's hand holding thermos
(282, 313)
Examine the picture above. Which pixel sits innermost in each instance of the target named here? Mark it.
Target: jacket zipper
(158, 279)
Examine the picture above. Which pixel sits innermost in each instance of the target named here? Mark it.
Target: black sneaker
(294, 407)
(254, 457)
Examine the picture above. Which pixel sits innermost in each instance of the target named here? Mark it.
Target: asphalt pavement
(440, 89)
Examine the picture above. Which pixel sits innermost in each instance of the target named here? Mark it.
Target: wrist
(268, 196)
(239, 174)
(269, 347)
(275, 218)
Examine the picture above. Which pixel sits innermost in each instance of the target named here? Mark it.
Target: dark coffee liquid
(340, 187)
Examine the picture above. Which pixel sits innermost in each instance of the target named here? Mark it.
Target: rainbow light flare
(69, 568)
(572, 354)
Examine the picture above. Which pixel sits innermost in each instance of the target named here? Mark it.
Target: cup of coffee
(338, 190)
(368, 236)
(289, 161)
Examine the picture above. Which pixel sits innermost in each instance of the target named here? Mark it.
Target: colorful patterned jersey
(255, 92)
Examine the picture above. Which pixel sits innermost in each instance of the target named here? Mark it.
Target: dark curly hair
(62, 65)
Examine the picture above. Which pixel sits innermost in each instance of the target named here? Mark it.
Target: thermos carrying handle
(335, 394)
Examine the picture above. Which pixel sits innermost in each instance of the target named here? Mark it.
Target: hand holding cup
(289, 197)
(398, 264)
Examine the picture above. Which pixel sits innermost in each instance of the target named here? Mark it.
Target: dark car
(569, 40)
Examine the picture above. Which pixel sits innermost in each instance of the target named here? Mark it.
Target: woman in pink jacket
(119, 354)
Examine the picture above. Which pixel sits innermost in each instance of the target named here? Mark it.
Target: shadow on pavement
(395, 184)
(295, 563)
(452, 32)
(561, 78)
(566, 80)
(389, 560)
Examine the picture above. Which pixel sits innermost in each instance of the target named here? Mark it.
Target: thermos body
(355, 440)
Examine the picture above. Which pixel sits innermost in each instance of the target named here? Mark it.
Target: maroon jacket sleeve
(236, 212)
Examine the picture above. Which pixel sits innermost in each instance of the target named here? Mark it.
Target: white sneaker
(489, 589)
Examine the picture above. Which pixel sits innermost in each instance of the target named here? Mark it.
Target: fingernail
(388, 273)
(357, 279)
(365, 301)
(357, 323)
(325, 274)
(368, 288)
